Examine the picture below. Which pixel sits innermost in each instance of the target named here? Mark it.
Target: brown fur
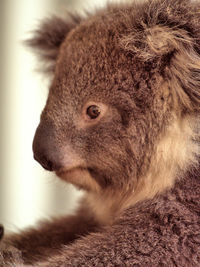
(140, 64)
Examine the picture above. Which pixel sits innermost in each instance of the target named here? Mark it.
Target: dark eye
(93, 111)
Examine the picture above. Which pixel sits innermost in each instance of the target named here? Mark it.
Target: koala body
(121, 122)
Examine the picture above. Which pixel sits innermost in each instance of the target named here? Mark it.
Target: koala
(121, 123)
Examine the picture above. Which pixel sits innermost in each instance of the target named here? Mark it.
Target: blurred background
(27, 192)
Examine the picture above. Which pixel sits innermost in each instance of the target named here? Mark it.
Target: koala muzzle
(45, 149)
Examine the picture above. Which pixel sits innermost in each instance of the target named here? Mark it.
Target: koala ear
(49, 36)
(154, 42)
(183, 74)
(177, 55)
(168, 36)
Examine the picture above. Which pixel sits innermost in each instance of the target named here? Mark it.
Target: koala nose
(45, 149)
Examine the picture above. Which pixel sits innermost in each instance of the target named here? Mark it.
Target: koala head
(125, 94)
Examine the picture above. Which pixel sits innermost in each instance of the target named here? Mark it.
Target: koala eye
(93, 111)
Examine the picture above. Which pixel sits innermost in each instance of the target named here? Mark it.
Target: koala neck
(176, 152)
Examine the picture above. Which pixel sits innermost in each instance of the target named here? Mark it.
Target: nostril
(47, 164)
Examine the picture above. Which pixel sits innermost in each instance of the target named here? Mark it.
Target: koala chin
(121, 122)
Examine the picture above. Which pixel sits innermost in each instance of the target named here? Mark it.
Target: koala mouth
(72, 171)
(81, 177)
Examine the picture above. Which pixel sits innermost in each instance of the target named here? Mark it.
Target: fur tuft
(169, 35)
(48, 38)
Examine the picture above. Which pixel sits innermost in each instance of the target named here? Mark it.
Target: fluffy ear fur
(171, 40)
(48, 37)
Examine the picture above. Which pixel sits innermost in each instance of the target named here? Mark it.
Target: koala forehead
(91, 63)
(132, 49)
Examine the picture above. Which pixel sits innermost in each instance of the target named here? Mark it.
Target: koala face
(111, 99)
(90, 129)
